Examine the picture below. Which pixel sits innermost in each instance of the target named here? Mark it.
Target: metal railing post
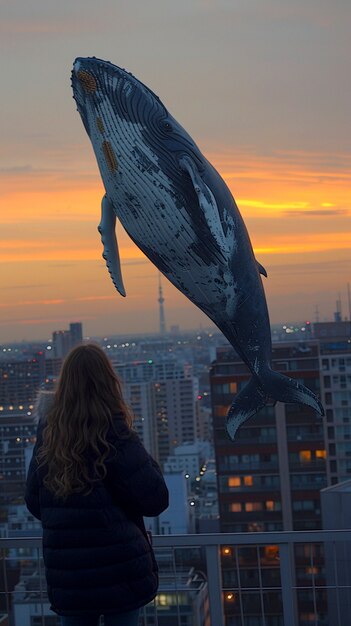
(287, 576)
(214, 581)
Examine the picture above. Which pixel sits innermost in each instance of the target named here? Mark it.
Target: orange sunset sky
(262, 86)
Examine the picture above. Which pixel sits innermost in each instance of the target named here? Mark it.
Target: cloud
(317, 213)
(21, 287)
(15, 169)
(49, 26)
(324, 267)
(52, 302)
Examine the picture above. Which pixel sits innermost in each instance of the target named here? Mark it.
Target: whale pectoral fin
(261, 269)
(187, 165)
(107, 231)
(207, 202)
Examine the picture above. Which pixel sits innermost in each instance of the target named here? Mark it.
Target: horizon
(170, 333)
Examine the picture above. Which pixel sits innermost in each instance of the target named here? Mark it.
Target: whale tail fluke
(255, 395)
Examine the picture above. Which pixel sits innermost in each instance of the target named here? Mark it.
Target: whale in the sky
(178, 210)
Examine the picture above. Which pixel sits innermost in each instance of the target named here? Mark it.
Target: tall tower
(162, 311)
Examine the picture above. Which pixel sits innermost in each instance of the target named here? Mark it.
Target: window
(330, 415)
(328, 398)
(234, 481)
(248, 481)
(304, 505)
(321, 454)
(235, 507)
(253, 506)
(305, 456)
(221, 410)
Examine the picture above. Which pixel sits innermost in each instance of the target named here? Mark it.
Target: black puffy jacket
(97, 555)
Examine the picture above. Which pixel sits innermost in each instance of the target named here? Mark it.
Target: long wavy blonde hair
(75, 446)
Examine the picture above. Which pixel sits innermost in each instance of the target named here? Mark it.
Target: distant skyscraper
(162, 398)
(76, 330)
(61, 340)
(64, 340)
(162, 310)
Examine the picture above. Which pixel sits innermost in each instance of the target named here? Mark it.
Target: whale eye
(167, 127)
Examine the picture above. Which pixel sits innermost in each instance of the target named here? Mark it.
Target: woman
(90, 482)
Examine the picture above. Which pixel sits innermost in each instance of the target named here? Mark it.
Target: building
(189, 458)
(64, 340)
(336, 513)
(76, 330)
(270, 477)
(178, 519)
(20, 381)
(17, 436)
(335, 366)
(162, 396)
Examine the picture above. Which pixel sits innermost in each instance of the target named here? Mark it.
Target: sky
(262, 86)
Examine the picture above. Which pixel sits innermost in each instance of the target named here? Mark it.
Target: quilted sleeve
(31, 495)
(133, 472)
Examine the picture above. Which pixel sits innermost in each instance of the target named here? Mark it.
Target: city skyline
(260, 86)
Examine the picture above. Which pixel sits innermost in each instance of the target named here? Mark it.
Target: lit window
(230, 596)
(321, 454)
(312, 570)
(234, 481)
(221, 410)
(269, 505)
(236, 507)
(248, 481)
(253, 506)
(305, 456)
(233, 387)
(271, 553)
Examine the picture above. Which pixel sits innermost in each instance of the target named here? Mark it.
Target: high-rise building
(61, 341)
(19, 381)
(64, 340)
(335, 366)
(270, 477)
(163, 399)
(17, 435)
(76, 330)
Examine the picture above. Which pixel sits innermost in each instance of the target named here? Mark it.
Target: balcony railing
(232, 579)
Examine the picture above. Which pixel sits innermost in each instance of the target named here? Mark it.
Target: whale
(180, 213)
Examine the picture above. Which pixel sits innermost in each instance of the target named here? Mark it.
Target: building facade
(270, 477)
